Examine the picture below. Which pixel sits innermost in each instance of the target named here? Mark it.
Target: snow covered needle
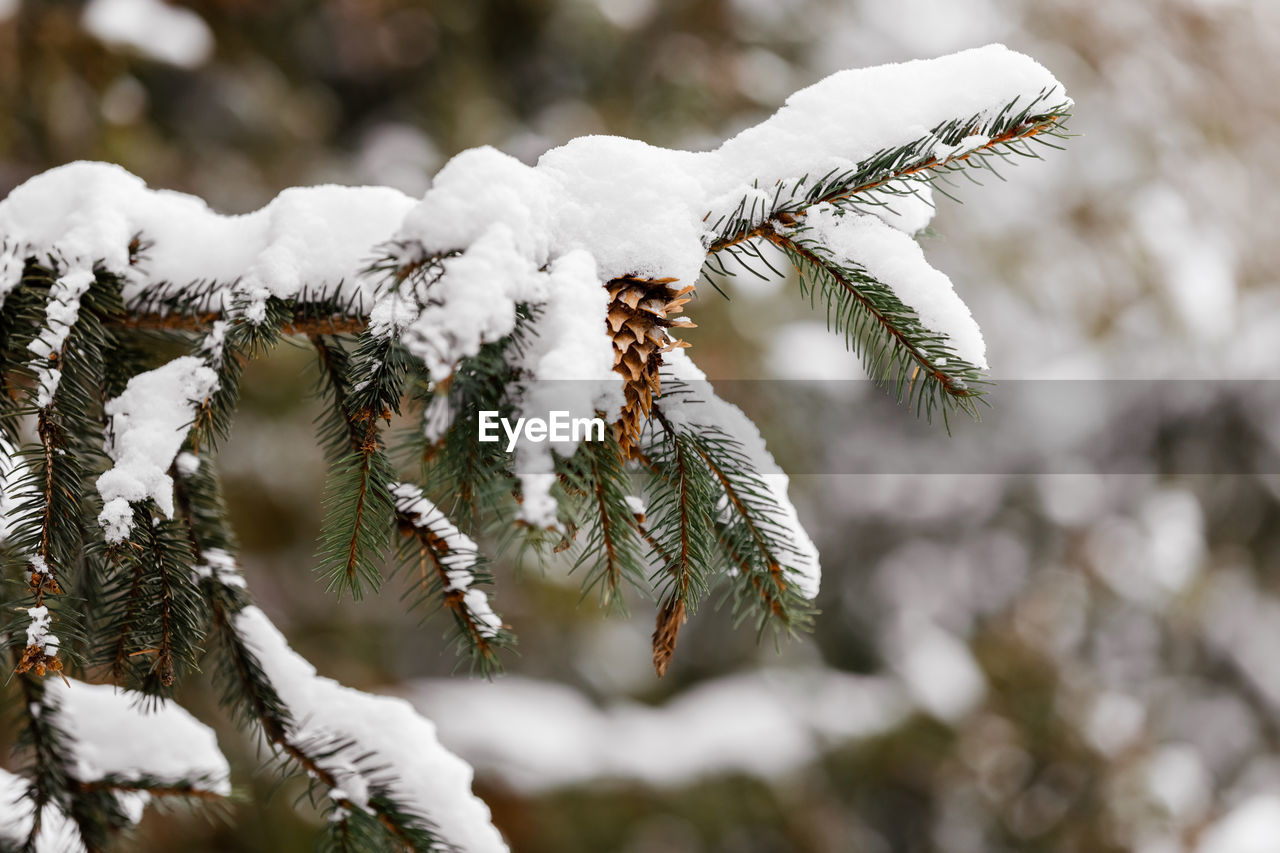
(508, 292)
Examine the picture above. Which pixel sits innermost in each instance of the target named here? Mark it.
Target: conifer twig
(1022, 131)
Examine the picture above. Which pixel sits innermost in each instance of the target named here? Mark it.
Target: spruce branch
(65, 378)
(470, 480)
(222, 348)
(450, 569)
(1006, 132)
(248, 691)
(754, 535)
(421, 546)
(159, 633)
(454, 299)
(612, 549)
(360, 514)
(917, 364)
(681, 500)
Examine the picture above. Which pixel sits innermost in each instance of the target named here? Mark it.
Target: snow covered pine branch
(507, 288)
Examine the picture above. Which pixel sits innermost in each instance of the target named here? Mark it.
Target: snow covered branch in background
(164, 32)
(537, 736)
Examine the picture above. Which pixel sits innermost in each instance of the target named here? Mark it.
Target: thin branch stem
(923, 362)
(302, 325)
(764, 229)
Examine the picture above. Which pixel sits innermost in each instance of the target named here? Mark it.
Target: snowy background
(1047, 655)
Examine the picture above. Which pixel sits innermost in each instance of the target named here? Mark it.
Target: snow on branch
(508, 290)
(382, 771)
(866, 130)
(899, 313)
(122, 740)
(176, 255)
(149, 422)
(55, 833)
(373, 747)
(638, 210)
(101, 755)
(449, 562)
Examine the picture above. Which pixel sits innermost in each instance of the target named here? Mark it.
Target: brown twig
(1022, 131)
(431, 551)
(151, 321)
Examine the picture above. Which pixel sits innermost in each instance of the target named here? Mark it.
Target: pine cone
(640, 313)
(670, 618)
(35, 658)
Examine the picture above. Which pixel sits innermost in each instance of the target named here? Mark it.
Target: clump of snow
(214, 342)
(318, 237)
(149, 421)
(58, 832)
(117, 736)
(155, 29)
(893, 258)
(38, 565)
(221, 567)
(61, 313)
(187, 463)
(842, 120)
(476, 299)
(38, 633)
(569, 346)
(459, 562)
(385, 733)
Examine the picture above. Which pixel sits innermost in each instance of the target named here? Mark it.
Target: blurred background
(1057, 656)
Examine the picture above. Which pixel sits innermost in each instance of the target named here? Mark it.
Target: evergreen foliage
(168, 602)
